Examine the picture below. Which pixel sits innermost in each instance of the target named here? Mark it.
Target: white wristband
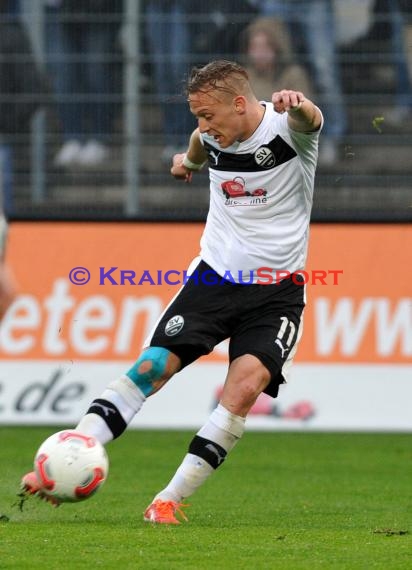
(191, 165)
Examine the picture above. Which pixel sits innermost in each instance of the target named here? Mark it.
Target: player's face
(218, 115)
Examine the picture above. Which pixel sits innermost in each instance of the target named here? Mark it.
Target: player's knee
(243, 386)
(240, 398)
(252, 377)
(150, 370)
(248, 391)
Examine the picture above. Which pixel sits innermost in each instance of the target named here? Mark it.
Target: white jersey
(261, 194)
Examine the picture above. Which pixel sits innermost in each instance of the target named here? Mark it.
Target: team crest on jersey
(174, 325)
(264, 157)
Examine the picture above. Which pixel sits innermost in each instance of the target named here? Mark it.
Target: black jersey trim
(266, 157)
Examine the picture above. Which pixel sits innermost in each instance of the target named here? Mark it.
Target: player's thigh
(272, 330)
(196, 319)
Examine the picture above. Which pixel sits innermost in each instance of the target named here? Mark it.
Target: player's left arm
(184, 164)
(303, 115)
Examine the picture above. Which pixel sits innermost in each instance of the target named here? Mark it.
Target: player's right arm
(303, 115)
(184, 164)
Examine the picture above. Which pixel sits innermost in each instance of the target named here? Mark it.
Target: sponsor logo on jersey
(174, 325)
(233, 189)
(264, 157)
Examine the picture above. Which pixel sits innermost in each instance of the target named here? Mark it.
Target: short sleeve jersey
(261, 193)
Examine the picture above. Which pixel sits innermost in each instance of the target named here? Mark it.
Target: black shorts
(262, 320)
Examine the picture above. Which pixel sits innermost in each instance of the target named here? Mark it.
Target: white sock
(192, 472)
(125, 396)
(222, 428)
(92, 424)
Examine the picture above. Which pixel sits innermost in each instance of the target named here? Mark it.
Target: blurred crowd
(296, 44)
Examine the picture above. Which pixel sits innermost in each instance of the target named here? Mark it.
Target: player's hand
(287, 100)
(178, 170)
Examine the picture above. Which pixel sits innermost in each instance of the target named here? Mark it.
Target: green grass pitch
(281, 501)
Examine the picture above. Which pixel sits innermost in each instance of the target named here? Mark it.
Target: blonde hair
(220, 75)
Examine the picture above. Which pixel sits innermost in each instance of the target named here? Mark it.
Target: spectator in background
(13, 42)
(81, 39)
(23, 89)
(406, 10)
(269, 60)
(313, 21)
(180, 34)
(169, 36)
(396, 14)
(219, 28)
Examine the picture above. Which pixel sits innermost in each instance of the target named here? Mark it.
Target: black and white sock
(109, 415)
(207, 451)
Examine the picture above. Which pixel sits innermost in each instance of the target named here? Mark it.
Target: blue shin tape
(157, 356)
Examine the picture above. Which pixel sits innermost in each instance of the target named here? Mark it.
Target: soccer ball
(71, 466)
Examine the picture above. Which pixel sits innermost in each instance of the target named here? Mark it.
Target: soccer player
(262, 159)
